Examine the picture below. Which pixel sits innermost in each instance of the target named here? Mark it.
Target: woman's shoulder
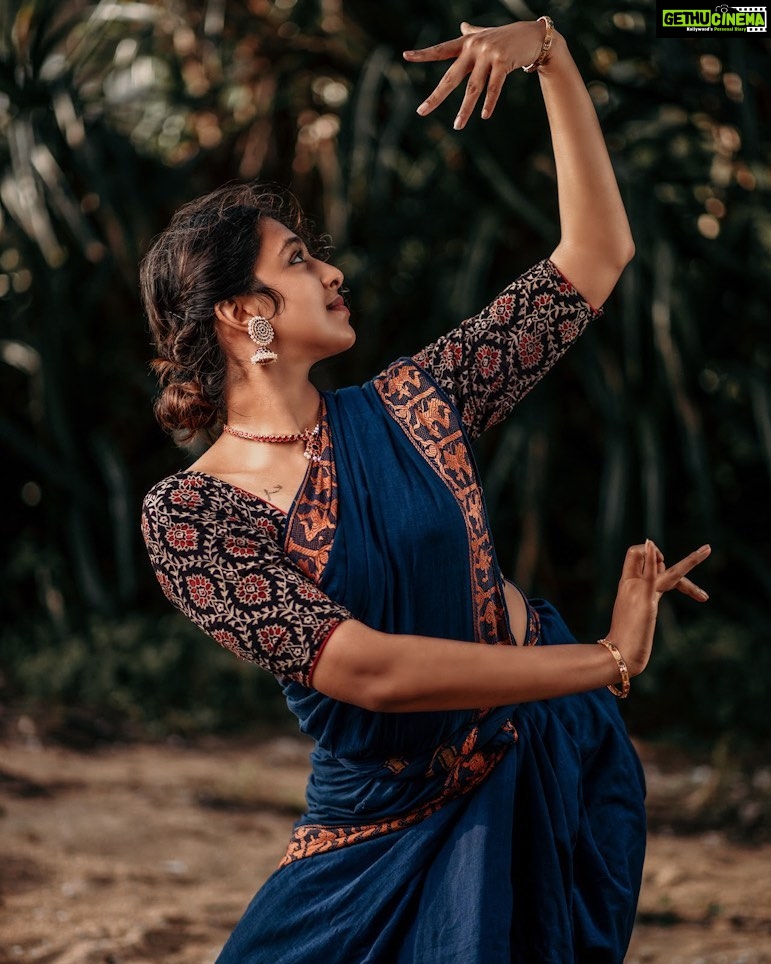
(193, 496)
(183, 489)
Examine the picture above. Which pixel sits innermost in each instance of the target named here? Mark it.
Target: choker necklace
(311, 437)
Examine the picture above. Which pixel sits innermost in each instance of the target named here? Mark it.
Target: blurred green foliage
(657, 424)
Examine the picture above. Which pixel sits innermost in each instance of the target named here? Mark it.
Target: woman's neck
(270, 400)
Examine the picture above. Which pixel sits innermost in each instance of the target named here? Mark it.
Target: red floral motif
(566, 288)
(267, 527)
(187, 496)
(272, 637)
(569, 330)
(489, 360)
(452, 353)
(308, 591)
(241, 546)
(503, 307)
(540, 300)
(226, 639)
(253, 589)
(200, 591)
(182, 536)
(529, 350)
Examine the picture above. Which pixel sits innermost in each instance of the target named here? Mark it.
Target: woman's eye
(297, 258)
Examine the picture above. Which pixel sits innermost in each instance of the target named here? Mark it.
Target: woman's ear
(237, 311)
(232, 312)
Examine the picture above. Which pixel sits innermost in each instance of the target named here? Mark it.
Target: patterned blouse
(238, 567)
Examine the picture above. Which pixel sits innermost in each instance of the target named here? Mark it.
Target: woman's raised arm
(595, 238)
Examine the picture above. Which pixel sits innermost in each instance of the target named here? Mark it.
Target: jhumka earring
(262, 334)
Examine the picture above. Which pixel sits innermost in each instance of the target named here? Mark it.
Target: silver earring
(262, 334)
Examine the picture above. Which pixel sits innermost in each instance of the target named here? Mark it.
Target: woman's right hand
(644, 579)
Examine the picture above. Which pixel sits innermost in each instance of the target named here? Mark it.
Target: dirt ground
(149, 853)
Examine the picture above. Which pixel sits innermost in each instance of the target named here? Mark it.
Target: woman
(468, 804)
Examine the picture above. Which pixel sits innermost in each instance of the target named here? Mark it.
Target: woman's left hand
(644, 579)
(488, 54)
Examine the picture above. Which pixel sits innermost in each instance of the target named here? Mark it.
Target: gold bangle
(622, 668)
(543, 56)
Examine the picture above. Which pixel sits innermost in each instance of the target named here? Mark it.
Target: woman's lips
(338, 304)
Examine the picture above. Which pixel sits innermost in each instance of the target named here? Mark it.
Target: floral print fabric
(491, 361)
(217, 554)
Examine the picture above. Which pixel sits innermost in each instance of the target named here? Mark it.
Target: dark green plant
(143, 676)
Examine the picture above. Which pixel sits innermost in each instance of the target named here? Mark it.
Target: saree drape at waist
(346, 790)
(378, 799)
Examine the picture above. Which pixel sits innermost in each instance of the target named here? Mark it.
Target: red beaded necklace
(311, 437)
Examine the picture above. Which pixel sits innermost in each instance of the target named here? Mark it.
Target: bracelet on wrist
(543, 56)
(622, 669)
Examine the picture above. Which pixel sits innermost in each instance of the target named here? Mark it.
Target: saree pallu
(490, 836)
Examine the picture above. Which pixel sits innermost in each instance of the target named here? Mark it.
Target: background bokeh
(658, 423)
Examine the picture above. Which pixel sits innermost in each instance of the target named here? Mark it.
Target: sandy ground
(149, 853)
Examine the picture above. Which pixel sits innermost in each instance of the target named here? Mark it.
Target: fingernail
(705, 548)
(457, 123)
(704, 595)
(647, 541)
(423, 109)
(485, 113)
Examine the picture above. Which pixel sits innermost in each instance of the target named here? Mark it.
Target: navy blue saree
(489, 836)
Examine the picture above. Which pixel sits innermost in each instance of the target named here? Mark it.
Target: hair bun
(182, 408)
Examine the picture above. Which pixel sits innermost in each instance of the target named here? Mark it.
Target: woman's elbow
(607, 272)
(615, 255)
(625, 253)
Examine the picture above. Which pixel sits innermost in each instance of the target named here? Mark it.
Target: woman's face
(314, 321)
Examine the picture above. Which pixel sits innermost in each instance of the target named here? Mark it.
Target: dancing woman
(474, 798)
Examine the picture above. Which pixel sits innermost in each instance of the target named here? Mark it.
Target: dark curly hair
(206, 255)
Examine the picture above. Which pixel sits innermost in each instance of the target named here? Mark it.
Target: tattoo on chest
(273, 491)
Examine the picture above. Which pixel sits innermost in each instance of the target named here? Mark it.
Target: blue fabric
(541, 862)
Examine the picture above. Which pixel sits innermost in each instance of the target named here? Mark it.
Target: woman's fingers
(467, 63)
(494, 87)
(443, 51)
(634, 562)
(688, 588)
(651, 568)
(672, 576)
(445, 87)
(647, 562)
(474, 88)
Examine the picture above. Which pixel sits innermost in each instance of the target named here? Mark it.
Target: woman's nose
(331, 276)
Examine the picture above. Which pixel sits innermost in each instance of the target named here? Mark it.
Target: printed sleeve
(491, 361)
(221, 564)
